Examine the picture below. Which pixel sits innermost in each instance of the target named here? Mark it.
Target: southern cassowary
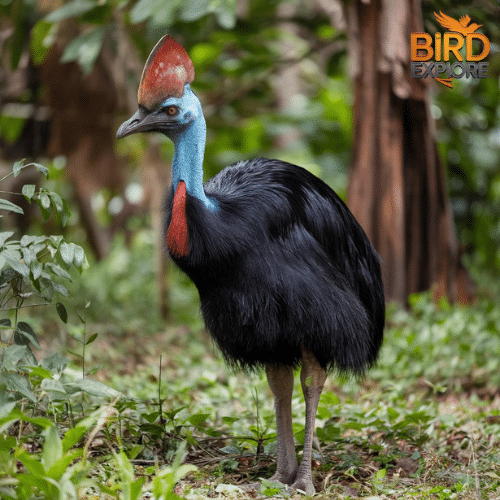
(285, 274)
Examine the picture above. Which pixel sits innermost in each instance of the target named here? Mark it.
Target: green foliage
(459, 339)
(31, 268)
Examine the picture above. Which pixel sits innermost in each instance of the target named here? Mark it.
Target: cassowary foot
(303, 484)
(283, 478)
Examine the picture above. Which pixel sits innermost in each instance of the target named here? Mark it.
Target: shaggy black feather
(282, 264)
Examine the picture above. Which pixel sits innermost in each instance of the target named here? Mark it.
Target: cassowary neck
(187, 164)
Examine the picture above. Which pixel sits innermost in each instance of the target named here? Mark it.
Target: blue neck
(189, 146)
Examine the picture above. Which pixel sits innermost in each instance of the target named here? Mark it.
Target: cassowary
(285, 274)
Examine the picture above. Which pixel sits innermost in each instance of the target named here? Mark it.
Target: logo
(431, 58)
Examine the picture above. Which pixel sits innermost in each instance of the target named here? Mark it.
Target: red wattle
(177, 234)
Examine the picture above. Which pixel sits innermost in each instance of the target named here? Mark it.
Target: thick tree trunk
(397, 186)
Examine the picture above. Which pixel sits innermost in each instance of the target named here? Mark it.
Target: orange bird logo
(462, 26)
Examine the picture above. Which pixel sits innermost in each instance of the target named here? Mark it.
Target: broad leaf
(85, 48)
(96, 388)
(18, 383)
(17, 167)
(67, 252)
(40, 41)
(36, 269)
(42, 169)
(61, 311)
(72, 436)
(52, 448)
(13, 258)
(4, 236)
(55, 363)
(58, 270)
(71, 9)
(11, 207)
(91, 339)
(24, 334)
(28, 191)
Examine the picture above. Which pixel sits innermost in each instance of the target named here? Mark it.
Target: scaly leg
(280, 379)
(312, 378)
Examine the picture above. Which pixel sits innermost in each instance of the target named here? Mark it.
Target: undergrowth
(126, 408)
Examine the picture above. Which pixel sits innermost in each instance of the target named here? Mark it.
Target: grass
(156, 414)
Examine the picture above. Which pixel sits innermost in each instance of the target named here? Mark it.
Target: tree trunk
(397, 187)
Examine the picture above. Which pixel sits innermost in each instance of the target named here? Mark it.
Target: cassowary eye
(172, 110)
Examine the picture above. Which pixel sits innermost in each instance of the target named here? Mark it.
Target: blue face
(179, 112)
(171, 118)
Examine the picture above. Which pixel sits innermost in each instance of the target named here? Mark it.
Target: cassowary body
(282, 266)
(285, 274)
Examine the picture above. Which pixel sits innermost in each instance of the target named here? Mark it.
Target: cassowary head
(166, 102)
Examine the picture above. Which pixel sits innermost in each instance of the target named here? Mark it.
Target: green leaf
(47, 288)
(31, 463)
(13, 258)
(17, 383)
(62, 290)
(58, 270)
(43, 202)
(61, 311)
(162, 13)
(198, 418)
(67, 252)
(40, 41)
(17, 167)
(52, 386)
(71, 9)
(40, 372)
(60, 466)
(61, 207)
(42, 169)
(79, 258)
(230, 420)
(134, 451)
(11, 207)
(85, 48)
(27, 240)
(44, 199)
(5, 323)
(28, 191)
(12, 356)
(96, 388)
(72, 436)
(4, 236)
(52, 450)
(11, 127)
(55, 363)
(28, 255)
(24, 334)
(36, 269)
(91, 339)
(5, 410)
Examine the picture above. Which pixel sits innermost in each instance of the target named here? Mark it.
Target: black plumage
(283, 265)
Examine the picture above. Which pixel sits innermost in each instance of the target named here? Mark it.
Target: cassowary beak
(142, 121)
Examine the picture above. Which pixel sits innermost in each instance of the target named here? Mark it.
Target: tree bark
(397, 187)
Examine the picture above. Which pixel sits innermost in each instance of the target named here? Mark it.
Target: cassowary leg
(313, 378)
(280, 379)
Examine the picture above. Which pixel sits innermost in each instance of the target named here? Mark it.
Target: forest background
(276, 79)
